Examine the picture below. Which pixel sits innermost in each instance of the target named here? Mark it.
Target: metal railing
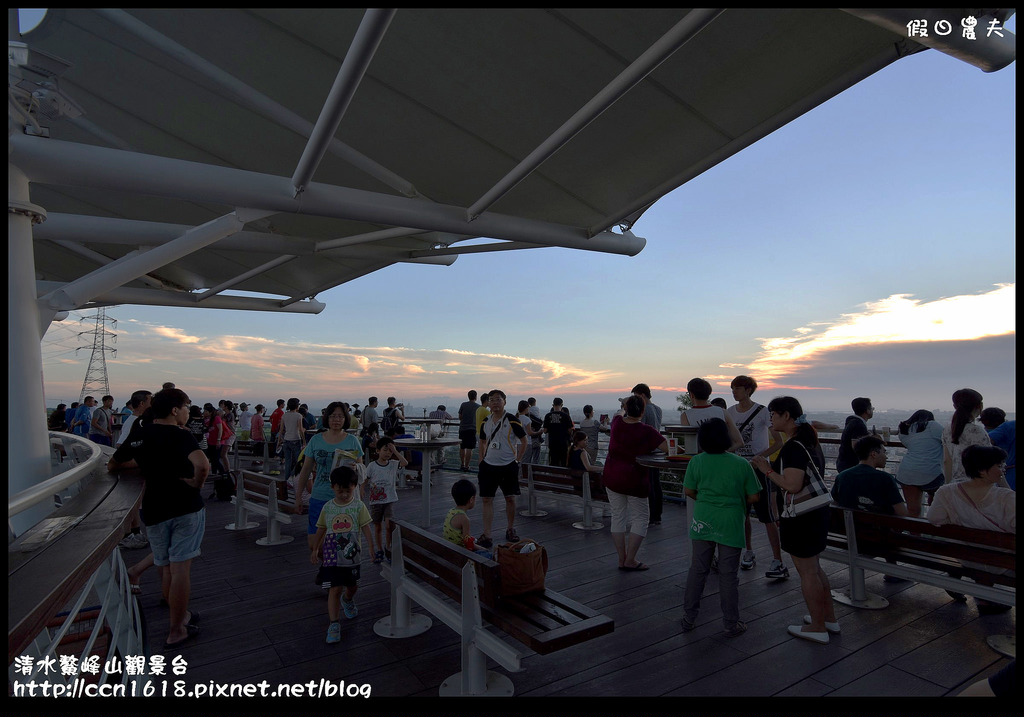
(102, 620)
(102, 626)
(86, 457)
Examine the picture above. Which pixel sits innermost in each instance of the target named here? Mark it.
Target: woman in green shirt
(721, 486)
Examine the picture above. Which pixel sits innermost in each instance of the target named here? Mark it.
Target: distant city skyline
(866, 248)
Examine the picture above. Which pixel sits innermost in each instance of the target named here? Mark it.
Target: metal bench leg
(241, 514)
(588, 508)
(475, 679)
(531, 497)
(274, 536)
(401, 622)
(858, 595)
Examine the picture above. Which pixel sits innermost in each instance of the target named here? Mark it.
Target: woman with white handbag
(804, 513)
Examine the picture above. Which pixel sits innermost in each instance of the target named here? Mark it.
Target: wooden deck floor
(264, 618)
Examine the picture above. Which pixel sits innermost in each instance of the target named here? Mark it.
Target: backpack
(390, 421)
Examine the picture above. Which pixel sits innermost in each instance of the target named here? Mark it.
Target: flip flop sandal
(636, 568)
(192, 630)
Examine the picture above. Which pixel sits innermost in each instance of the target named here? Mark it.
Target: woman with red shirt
(627, 482)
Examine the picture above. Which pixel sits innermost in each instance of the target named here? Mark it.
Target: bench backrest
(557, 479)
(877, 533)
(258, 487)
(439, 563)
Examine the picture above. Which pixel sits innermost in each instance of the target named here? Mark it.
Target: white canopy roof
(327, 144)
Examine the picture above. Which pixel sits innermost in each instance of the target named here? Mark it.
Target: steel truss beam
(248, 97)
(131, 232)
(661, 50)
(150, 297)
(55, 162)
(84, 289)
(360, 53)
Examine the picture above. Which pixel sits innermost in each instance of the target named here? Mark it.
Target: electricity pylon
(96, 381)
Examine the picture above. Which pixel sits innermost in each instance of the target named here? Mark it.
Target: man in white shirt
(245, 420)
(754, 425)
(502, 443)
(139, 402)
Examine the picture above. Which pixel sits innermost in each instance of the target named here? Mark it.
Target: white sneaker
(748, 560)
(777, 571)
(134, 541)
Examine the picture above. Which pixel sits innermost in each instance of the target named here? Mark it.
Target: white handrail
(44, 491)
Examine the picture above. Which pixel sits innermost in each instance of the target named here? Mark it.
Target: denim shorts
(178, 539)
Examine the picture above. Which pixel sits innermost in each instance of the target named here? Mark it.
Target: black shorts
(804, 536)
(338, 576)
(468, 438)
(766, 494)
(505, 477)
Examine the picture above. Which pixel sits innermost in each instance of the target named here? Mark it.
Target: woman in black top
(803, 536)
(579, 458)
(58, 418)
(175, 469)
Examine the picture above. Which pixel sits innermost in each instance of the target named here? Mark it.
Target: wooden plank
(554, 604)
(241, 587)
(440, 563)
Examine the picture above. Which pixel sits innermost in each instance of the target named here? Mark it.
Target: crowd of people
(754, 460)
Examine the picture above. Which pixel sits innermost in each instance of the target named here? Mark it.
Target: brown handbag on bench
(521, 572)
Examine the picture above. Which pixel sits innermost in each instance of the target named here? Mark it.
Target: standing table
(424, 446)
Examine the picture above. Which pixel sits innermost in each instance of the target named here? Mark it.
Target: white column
(28, 447)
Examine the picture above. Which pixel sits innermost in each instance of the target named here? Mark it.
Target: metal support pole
(52, 161)
(474, 679)
(371, 31)
(28, 455)
(531, 496)
(248, 97)
(241, 514)
(112, 276)
(588, 507)
(425, 489)
(694, 21)
(368, 237)
(401, 622)
(858, 595)
(244, 276)
(184, 299)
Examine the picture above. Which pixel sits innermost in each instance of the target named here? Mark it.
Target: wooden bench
(424, 565)
(563, 484)
(951, 557)
(258, 493)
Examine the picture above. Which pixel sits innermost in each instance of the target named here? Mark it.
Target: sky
(864, 249)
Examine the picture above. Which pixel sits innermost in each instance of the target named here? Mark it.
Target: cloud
(233, 366)
(897, 319)
(174, 333)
